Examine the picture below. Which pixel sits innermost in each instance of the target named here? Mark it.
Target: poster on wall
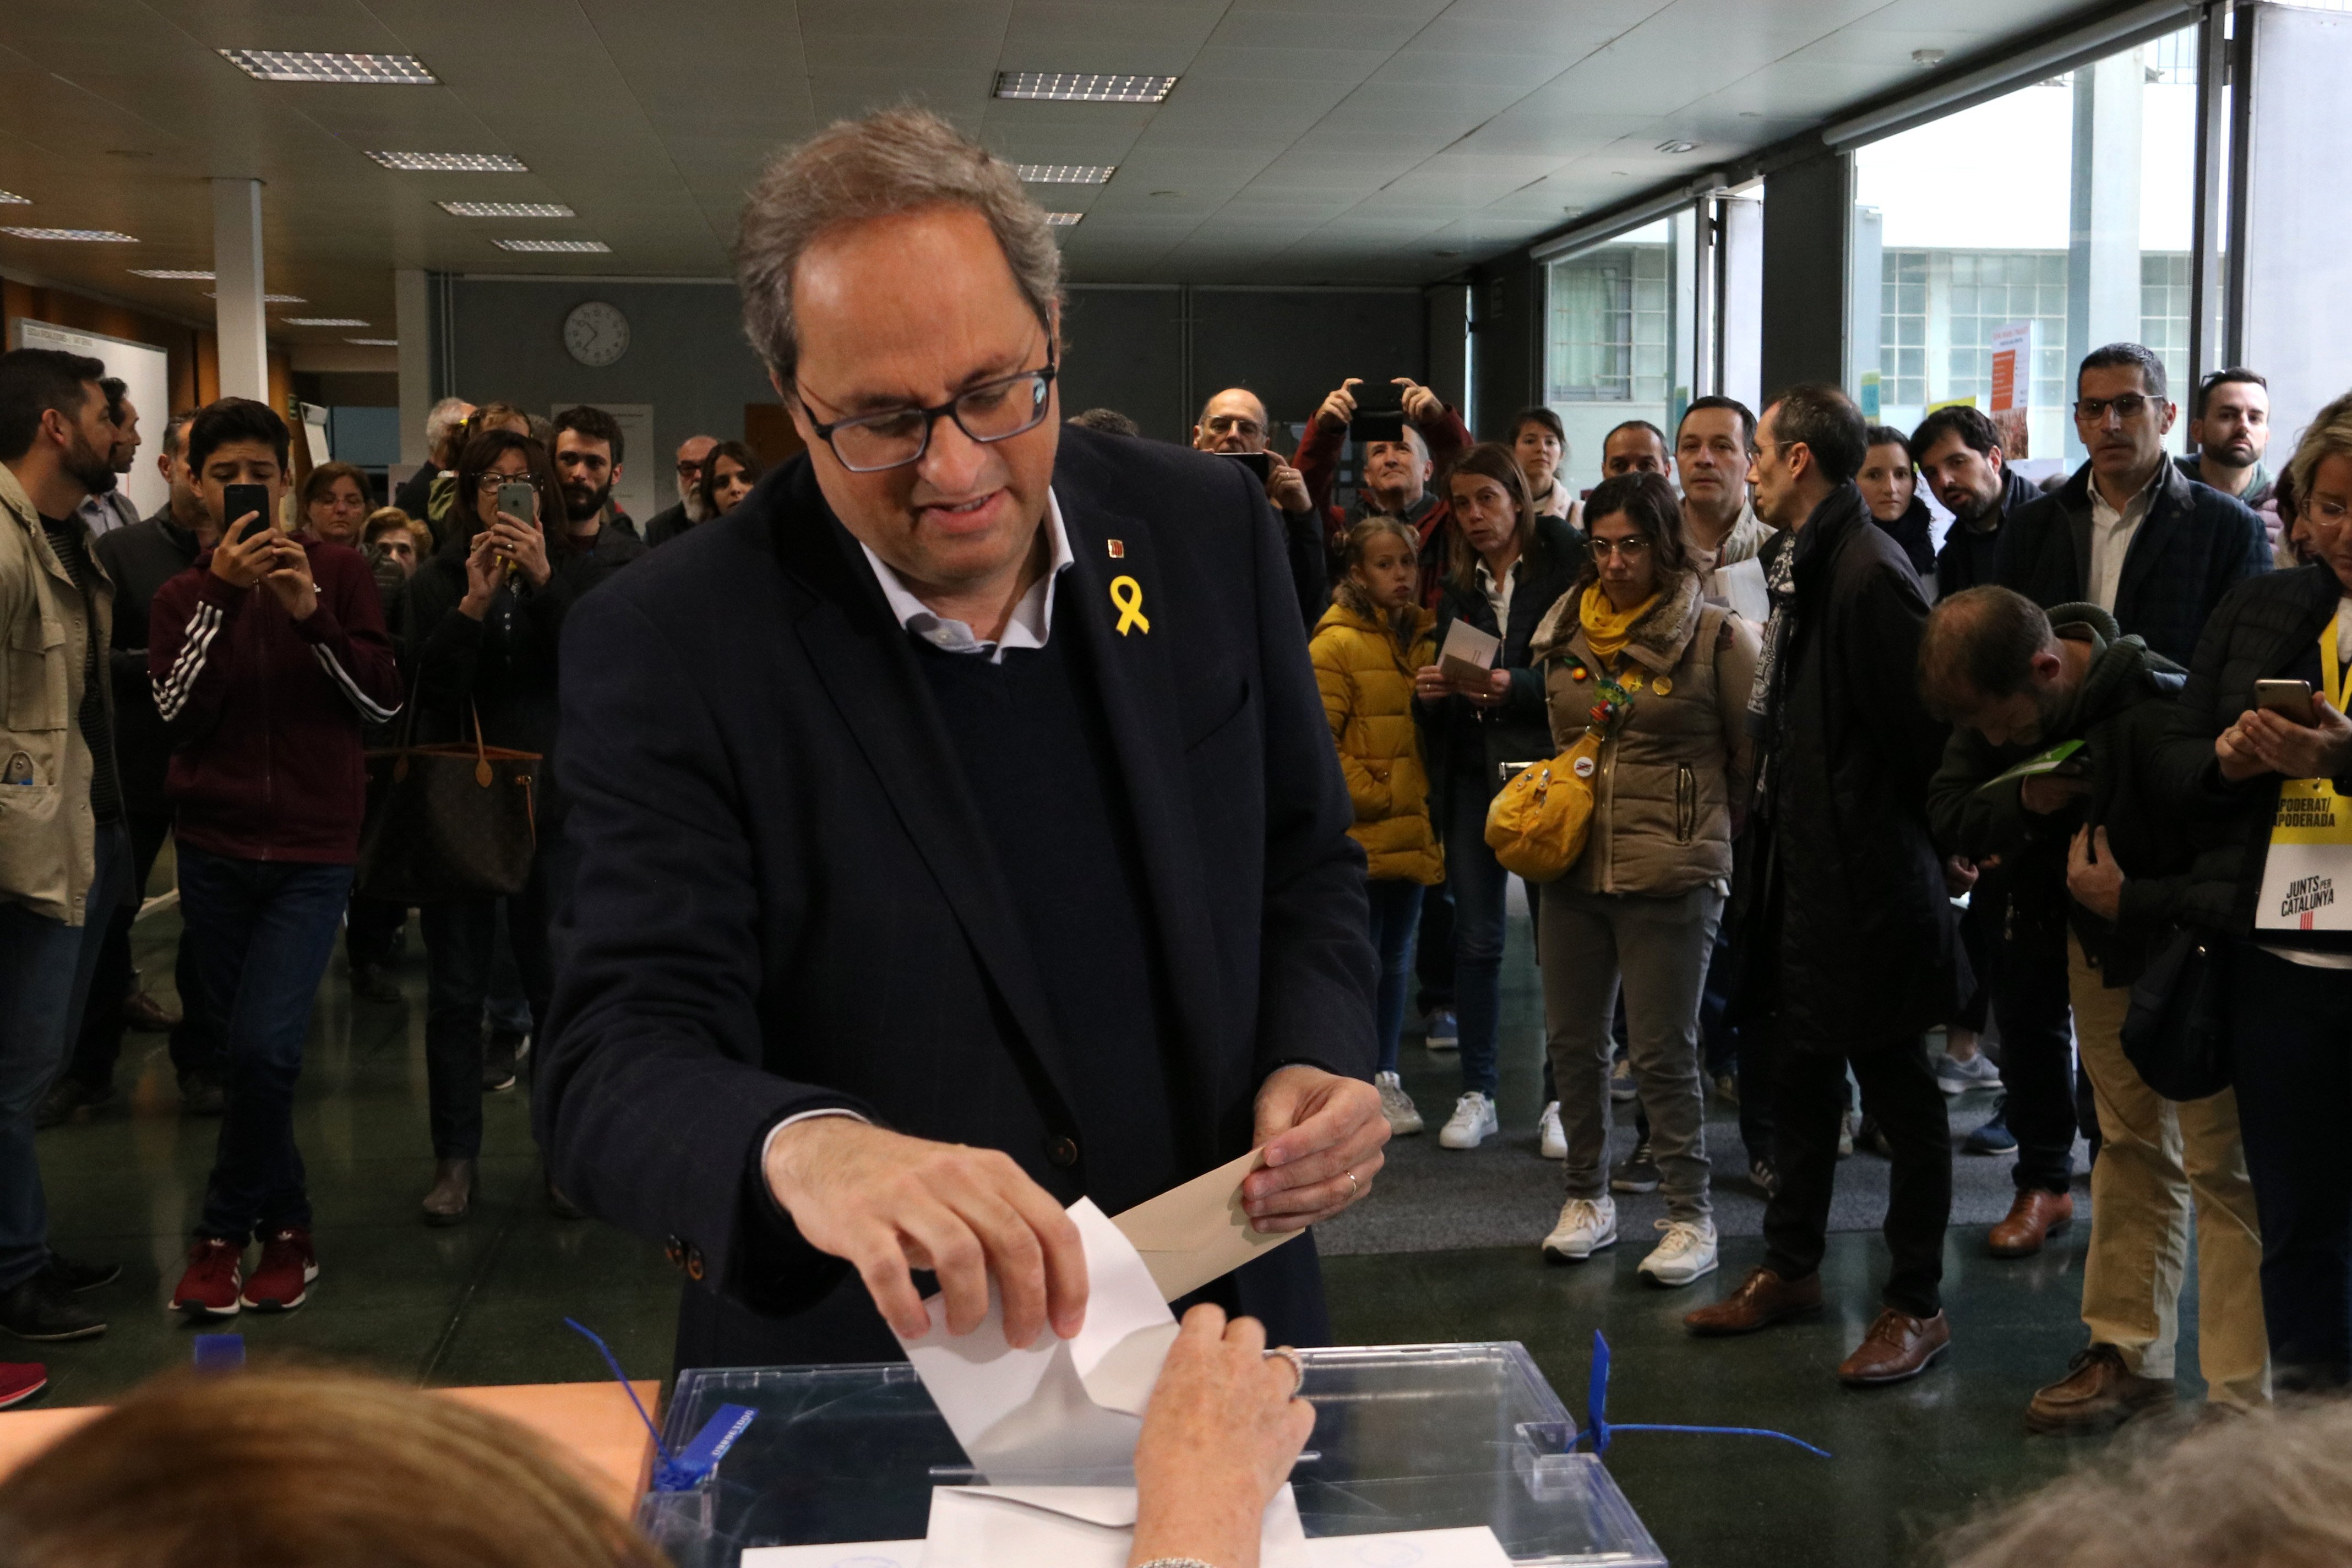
(2012, 403)
(146, 373)
(640, 490)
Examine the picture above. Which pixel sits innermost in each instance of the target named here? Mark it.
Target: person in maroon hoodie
(267, 654)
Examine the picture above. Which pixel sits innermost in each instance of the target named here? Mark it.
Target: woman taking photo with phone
(1637, 649)
(485, 616)
(2259, 762)
(1506, 566)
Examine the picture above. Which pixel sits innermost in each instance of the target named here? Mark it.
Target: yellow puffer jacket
(1366, 674)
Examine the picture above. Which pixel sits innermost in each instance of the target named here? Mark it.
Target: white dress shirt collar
(1033, 618)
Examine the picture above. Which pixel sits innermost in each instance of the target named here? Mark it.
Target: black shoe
(561, 1207)
(79, 1276)
(1639, 1173)
(499, 1060)
(200, 1094)
(369, 984)
(66, 1097)
(40, 1309)
(1994, 1137)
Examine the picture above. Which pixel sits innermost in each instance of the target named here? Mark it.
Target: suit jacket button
(1063, 1152)
(675, 1251)
(694, 1263)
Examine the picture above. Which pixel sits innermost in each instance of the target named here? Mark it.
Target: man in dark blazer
(958, 832)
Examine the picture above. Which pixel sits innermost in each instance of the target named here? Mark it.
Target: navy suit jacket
(785, 899)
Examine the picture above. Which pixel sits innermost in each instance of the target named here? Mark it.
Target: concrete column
(237, 289)
(2103, 235)
(412, 308)
(1808, 213)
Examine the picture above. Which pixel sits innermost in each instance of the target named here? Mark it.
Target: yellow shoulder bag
(1537, 822)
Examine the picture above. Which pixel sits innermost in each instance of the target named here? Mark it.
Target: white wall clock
(596, 333)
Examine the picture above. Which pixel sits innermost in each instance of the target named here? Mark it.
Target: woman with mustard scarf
(1636, 652)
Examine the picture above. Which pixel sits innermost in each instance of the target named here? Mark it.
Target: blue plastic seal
(676, 1472)
(1596, 1412)
(220, 1353)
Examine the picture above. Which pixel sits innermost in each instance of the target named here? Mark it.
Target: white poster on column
(635, 491)
(146, 371)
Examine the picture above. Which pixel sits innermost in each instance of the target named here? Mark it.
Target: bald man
(1235, 421)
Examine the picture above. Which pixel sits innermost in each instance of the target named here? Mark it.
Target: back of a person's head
(292, 1469)
(2268, 1489)
(1824, 419)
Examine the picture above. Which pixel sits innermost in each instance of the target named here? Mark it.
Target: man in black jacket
(2018, 683)
(1960, 458)
(142, 559)
(1851, 934)
(980, 847)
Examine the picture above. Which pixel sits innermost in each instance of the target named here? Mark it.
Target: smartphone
(520, 499)
(1258, 463)
(2290, 700)
(1380, 411)
(237, 500)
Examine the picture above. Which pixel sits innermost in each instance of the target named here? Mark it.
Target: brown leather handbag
(448, 823)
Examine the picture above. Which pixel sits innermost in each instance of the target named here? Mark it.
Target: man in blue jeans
(64, 854)
(267, 655)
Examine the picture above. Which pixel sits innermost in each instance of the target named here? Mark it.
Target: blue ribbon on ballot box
(689, 1467)
(1596, 1411)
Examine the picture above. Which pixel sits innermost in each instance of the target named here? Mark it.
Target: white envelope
(1059, 1405)
(1069, 1527)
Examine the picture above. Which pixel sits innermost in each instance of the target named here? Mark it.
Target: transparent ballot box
(1406, 1437)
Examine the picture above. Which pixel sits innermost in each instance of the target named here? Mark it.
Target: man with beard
(2229, 429)
(110, 509)
(1235, 421)
(65, 856)
(1959, 457)
(672, 520)
(588, 464)
(2085, 839)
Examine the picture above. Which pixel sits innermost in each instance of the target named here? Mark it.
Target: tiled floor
(484, 1304)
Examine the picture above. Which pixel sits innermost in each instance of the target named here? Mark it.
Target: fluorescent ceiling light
(451, 163)
(172, 274)
(563, 246)
(93, 235)
(374, 342)
(1066, 174)
(266, 299)
(1063, 220)
(316, 64)
(1678, 147)
(506, 210)
(11, 199)
(1083, 86)
(320, 321)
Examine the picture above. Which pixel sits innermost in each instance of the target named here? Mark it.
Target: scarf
(1780, 585)
(1606, 629)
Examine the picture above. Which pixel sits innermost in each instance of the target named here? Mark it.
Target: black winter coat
(1915, 534)
(1466, 742)
(140, 559)
(1969, 557)
(1846, 886)
(2266, 629)
(2192, 547)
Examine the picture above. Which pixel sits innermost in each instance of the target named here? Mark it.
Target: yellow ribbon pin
(1126, 593)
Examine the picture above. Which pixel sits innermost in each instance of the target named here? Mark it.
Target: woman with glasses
(1508, 565)
(728, 475)
(486, 616)
(1636, 651)
(2259, 761)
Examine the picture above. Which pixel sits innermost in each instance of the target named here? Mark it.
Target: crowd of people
(1814, 786)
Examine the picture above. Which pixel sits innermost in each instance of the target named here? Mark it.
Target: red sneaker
(20, 1379)
(281, 1281)
(208, 1288)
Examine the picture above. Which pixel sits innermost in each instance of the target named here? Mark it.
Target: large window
(1618, 337)
(2062, 208)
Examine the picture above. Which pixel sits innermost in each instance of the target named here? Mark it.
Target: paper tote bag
(448, 823)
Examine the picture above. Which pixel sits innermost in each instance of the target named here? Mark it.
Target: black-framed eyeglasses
(993, 411)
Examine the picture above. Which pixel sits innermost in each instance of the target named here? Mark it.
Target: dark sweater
(1030, 737)
(70, 539)
(140, 559)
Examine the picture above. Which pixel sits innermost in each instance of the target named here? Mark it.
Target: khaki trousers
(2158, 1158)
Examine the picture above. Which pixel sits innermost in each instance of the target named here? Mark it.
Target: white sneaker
(1954, 1076)
(1621, 1086)
(1471, 1123)
(1551, 1135)
(1586, 1226)
(1686, 1254)
(1405, 1117)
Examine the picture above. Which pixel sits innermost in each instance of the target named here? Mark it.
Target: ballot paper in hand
(1468, 654)
(1191, 1235)
(1060, 1404)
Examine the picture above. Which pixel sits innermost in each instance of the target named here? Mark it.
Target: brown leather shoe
(2098, 1392)
(453, 1191)
(143, 1012)
(1763, 1299)
(1898, 1347)
(2036, 1217)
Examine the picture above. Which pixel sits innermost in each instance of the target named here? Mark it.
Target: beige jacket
(1666, 779)
(48, 840)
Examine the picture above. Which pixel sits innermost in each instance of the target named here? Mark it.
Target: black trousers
(1433, 957)
(1899, 1088)
(196, 1044)
(2037, 1048)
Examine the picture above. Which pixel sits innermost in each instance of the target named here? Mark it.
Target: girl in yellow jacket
(1366, 647)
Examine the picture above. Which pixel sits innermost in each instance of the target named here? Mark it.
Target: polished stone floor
(484, 1302)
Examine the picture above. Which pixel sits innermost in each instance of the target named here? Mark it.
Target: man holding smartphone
(268, 656)
(1235, 423)
(1405, 435)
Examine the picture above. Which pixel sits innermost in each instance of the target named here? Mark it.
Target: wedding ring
(1355, 1188)
(1297, 1368)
